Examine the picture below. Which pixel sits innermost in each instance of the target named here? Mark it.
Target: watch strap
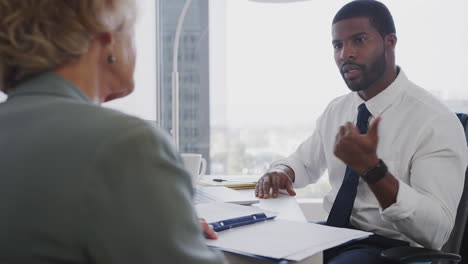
(375, 173)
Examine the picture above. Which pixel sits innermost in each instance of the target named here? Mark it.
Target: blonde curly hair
(42, 35)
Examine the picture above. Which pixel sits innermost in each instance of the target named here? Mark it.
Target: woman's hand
(208, 230)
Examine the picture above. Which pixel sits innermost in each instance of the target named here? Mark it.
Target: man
(398, 172)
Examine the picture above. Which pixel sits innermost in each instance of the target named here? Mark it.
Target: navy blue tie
(344, 202)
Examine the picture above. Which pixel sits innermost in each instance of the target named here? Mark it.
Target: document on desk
(279, 239)
(218, 211)
(240, 182)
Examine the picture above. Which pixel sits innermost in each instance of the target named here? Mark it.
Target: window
(255, 77)
(273, 73)
(142, 102)
(194, 76)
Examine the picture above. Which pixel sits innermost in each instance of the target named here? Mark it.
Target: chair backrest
(458, 241)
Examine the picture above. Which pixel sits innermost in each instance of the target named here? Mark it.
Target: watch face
(376, 173)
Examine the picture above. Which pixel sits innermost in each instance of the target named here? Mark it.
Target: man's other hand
(275, 179)
(359, 151)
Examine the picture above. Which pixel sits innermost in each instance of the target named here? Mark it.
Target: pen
(223, 180)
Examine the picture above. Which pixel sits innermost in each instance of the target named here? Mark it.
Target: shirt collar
(382, 101)
(49, 83)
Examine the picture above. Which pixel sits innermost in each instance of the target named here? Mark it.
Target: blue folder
(239, 221)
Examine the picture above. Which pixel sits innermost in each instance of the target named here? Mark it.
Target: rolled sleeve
(406, 204)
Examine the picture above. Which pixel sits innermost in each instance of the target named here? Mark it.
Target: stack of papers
(276, 238)
(222, 194)
(214, 212)
(236, 182)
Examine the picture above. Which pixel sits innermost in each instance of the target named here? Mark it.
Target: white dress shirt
(424, 147)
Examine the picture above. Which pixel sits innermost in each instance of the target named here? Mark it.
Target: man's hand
(276, 178)
(360, 153)
(356, 150)
(208, 230)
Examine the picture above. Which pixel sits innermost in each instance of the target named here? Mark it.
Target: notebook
(222, 194)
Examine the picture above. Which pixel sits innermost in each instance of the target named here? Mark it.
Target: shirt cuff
(298, 168)
(405, 205)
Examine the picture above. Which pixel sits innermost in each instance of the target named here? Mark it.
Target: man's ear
(391, 41)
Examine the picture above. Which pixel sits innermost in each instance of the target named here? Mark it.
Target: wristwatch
(374, 174)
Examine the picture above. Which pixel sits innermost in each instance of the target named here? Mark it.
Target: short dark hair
(377, 12)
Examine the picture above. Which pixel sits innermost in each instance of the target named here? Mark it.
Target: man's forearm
(386, 190)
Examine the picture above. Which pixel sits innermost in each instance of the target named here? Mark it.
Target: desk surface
(285, 205)
(288, 209)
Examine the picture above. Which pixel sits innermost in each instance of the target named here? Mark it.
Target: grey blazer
(84, 184)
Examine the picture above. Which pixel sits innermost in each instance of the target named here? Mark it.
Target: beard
(370, 73)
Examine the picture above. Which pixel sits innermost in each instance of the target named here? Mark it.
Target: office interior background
(254, 77)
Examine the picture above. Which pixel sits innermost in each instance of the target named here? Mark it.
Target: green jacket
(84, 184)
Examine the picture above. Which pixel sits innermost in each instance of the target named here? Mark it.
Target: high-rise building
(194, 90)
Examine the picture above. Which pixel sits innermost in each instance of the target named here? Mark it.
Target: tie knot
(363, 113)
(363, 119)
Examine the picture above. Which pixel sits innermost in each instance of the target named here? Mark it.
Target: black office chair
(457, 242)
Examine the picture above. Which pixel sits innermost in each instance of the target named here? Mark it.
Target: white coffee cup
(195, 165)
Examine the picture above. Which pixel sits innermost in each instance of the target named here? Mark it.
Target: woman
(80, 183)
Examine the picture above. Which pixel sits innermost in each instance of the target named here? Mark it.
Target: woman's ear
(106, 42)
(106, 39)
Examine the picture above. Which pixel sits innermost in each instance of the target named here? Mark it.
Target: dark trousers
(366, 251)
(359, 255)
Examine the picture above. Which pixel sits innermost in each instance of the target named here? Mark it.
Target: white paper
(214, 212)
(230, 180)
(284, 239)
